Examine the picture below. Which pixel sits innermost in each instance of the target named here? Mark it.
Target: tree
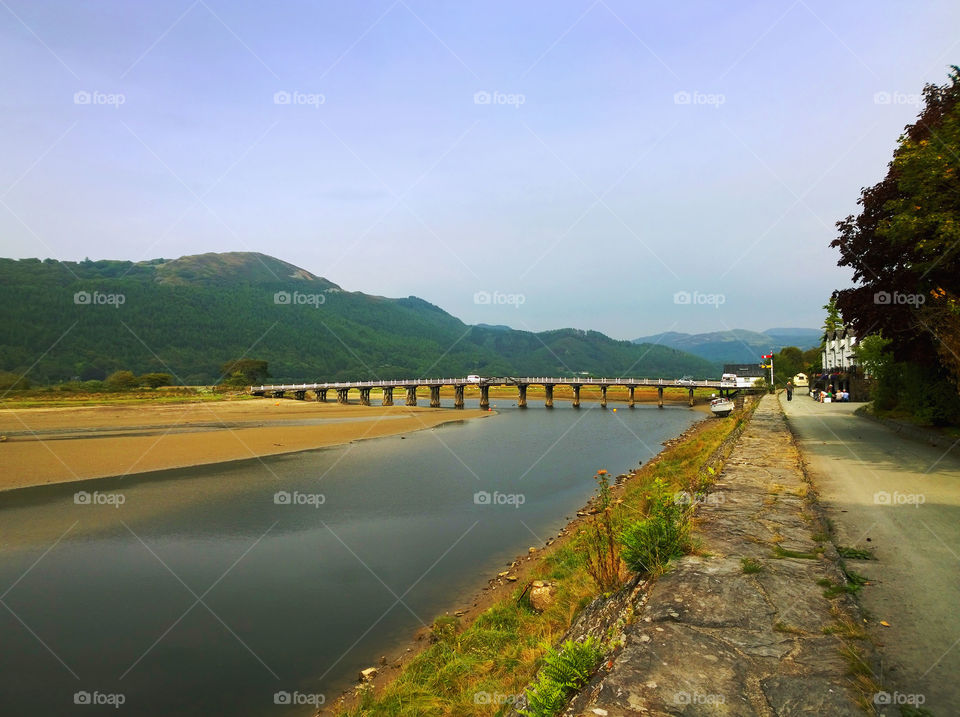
(904, 246)
(155, 380)
(244, 372)
(122, 381)
(833, 321)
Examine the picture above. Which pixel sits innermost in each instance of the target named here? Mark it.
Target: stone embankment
(743, 626)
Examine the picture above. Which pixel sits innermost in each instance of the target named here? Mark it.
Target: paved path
(711, 639)
(871, 483)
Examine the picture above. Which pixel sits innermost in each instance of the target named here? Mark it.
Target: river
(221, 590)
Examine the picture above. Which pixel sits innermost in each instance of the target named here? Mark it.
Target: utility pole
(770, 366)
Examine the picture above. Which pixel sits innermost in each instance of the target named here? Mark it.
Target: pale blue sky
(597, 198)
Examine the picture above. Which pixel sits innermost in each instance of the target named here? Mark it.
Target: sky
(628, 167)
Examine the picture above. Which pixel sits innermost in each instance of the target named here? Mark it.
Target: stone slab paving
(712, 640)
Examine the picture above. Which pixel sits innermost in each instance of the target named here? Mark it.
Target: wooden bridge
(343, 389)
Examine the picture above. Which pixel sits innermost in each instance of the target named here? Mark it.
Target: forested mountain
(191, 315)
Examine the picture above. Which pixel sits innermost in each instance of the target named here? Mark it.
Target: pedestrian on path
(789, 390)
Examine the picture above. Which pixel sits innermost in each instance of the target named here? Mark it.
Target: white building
(838, 353)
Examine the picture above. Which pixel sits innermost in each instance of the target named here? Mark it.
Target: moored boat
(721, 407)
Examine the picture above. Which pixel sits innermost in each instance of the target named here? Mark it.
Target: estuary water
(247, 588)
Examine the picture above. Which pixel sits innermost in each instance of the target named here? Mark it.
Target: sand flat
(58, 445)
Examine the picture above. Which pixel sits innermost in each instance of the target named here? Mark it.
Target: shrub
(649, 543)
(601, 545)
(564, 671)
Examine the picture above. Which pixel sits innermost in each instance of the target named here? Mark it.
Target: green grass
(780, 552)
(750, 566)
(855, 553)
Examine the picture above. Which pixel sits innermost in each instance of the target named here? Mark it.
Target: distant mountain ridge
(188, 316)
(736, 345)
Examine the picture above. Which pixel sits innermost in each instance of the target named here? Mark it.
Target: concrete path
(714, 638)
(900, 499)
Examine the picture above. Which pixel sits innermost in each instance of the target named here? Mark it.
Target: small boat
(721, 407)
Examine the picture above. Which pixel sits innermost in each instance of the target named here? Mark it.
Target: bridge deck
(504, 381)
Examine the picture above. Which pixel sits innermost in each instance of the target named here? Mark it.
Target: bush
(155, 380)
(650, 543)
(600, 541)
(564, 672)
(122, 381)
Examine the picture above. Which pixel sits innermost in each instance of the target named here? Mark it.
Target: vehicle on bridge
(473, 378)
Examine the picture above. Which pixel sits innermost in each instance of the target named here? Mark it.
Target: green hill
(188, 316)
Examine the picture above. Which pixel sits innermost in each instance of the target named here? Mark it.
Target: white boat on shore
(721, 407)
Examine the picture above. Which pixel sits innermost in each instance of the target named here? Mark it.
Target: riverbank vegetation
(481, 668)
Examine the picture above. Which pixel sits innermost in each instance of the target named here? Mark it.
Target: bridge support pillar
(300, 395)
(484, 396)
(521, 395)
(630, 400)
(691, 398)
(411, 395)
(458, 396)
(603, 397)
(364, 396)
(576, 395)
(342, 395)
(659, 396)
(434, 397)
(321, 394)
(278, 394)
(387, 399)
(548, 390)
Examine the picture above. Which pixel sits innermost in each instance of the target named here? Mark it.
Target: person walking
(789, 390)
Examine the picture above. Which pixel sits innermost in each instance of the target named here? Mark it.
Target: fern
(564, 671)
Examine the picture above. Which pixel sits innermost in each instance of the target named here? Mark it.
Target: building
(746, 373)
(838, 354)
